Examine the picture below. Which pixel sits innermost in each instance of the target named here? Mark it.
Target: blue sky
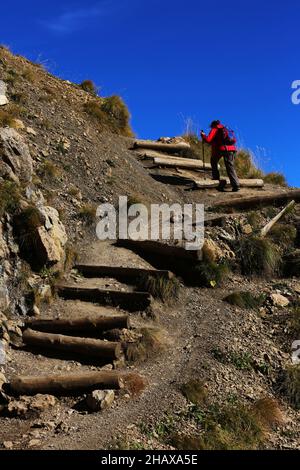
(172, 60)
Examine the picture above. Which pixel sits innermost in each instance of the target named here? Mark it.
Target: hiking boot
(236, 190)
(222, 185)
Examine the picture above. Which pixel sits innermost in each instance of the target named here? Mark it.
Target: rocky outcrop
(52, 237)
(15, 158)
(3, 97)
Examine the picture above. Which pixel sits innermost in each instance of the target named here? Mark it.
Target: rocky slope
(58, 161)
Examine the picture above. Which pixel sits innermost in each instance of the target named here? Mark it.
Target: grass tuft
(89, 86)
(167, 290)
(49, 170)
(278, 179)
(10, 196)
(152, 342)
(291, 385)
(211, 274)
(87, 214)
(245, 299)
(258, 256)
(283, 235)
(115, 107)
(195, 392)
(134, 383)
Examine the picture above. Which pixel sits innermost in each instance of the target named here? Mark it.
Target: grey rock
(100, 399)
(15, 158)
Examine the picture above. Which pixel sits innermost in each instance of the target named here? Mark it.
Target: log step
(85, 347)
(120, 272)
(160, 146)
(88, 326)
(244, 183)
(176, 162)
(131, 301)
(159, 248)
(64, 384)
(244, 203)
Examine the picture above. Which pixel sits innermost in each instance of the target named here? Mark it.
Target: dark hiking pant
(229, 164)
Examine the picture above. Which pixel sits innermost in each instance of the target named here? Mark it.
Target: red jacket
(215, 139)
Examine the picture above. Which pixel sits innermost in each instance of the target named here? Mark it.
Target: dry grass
(195, 392)
(268, 412)
(7, 118)
(246, 166)
(89, 86)
(10, 195)
(93, 108)
(245, 299)
(167, 290)
(291, 385)
(152, 342)
(134, 383)
(87, 214)
(283, 235)
(278, 179)
(71, 256)
(48, 169)
(258, 256)
(30, 75)
(116, 109)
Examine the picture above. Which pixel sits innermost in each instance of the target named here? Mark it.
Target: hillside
(185, 369)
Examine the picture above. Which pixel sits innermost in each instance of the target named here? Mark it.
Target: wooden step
(244, 203)
(77, 346)
(120, 272)
(244, 183)
(131, 301)
(163, 147)
(159, 248)
(65, 384)
(176, 162)
(86, 326)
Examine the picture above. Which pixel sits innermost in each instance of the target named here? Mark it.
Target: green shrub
(245, 299)
(227, 427)
(211, 274)
(89, 86)
(277, 179)
(258, 256)
(10, 196)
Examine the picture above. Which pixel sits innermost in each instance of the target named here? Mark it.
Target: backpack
(227, 136)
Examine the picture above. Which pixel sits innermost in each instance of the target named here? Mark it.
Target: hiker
(223, 145)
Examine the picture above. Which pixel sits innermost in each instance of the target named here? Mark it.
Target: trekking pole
(203, 156)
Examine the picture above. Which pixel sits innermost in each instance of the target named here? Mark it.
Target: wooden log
(262, 200)
(181, 163)
(265, 230)
(63, 384)
(80, 326)
(131, 301)
(244, 183)
(120, 272)
(159, 248)
(169, 148)
(87, 347)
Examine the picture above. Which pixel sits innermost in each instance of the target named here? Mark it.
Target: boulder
(26, 406)
(279, 300)
(52, 237)
(211, 251)
(100, 399)
(3, 97)
(15, 158)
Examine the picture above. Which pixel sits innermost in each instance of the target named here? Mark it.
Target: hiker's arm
(208, 139)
